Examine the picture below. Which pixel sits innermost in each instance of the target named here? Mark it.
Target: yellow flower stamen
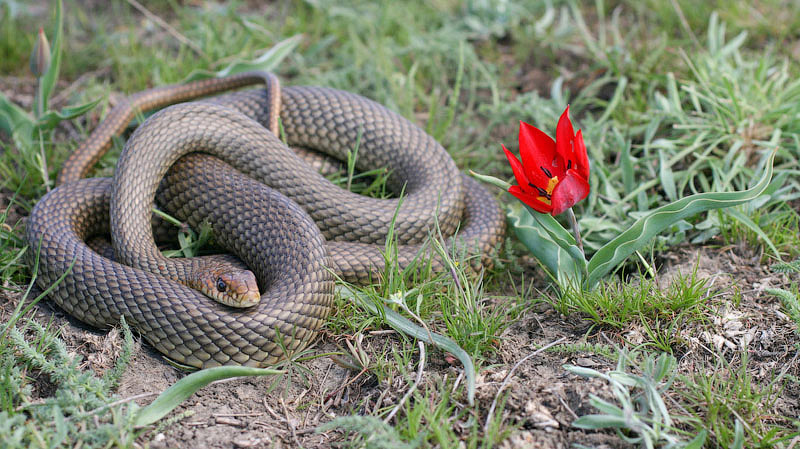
(552, 185)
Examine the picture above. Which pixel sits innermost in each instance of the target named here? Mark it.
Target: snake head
(232, 286)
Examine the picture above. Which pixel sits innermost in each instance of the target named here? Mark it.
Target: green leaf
(583, 372)
(49, 79)
(698, 441)
(606, 407)
(561, 236)
(599, 422)
(555, 259)
(553, 227)
(51, 118)
(738, 438)
(403, 325)
(626, 161)
(667, 178)
(491, 180)
(266, 62)
(182, 389)
(616, 251)
(12, 117)
(750, 224)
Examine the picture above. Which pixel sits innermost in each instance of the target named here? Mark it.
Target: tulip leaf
(12, 117)
(51, 118)
(639, 234)
(182, 389)
(560, 236)
(555, 259)
(491, 180)
(49, 78)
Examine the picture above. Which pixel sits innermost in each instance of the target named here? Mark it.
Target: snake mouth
(241, 289)
(230, 286)
(249, 299)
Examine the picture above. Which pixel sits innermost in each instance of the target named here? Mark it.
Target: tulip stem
(576, 229)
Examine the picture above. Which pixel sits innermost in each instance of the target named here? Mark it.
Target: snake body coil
(277, 239)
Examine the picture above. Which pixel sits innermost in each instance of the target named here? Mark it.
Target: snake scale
(218, 161)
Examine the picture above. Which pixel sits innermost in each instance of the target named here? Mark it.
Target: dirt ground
(543, 401)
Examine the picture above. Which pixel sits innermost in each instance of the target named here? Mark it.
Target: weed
(642, 416)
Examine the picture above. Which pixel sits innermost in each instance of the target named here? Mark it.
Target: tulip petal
(534, 201)
(537, 150)
(572, 189)
(516, 167)
(581, 158)
(565, 137)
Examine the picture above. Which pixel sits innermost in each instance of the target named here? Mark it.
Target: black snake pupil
(221, 285)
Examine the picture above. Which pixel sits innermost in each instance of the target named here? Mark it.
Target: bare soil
(543, 399)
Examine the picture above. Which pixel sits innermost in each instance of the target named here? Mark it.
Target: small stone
(243, 444)
(540, 416)
(228, 421)
(158, 441)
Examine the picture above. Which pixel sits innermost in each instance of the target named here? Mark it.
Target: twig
(508, 379)
(345, 385)
(113, 404)
(413, 387)
(289, 423)
(380, 399)
(235, 415)
(566, 406)
(167, 27)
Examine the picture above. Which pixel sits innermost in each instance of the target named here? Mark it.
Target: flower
(40, 56)
(553, 175)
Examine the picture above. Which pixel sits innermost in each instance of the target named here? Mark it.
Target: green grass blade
(266, 62)
(667, 177)
(401, 324)
(750, 224)
(698, 441)
(616, 251)
(182, 389)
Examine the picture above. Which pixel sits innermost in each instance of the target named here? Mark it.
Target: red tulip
(553, 175)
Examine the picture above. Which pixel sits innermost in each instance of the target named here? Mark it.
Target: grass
(732, 405)
(673, 98)
(618, 303)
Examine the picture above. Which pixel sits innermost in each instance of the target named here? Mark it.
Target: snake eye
(221, 285)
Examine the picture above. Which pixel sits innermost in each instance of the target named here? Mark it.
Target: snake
(220, 161)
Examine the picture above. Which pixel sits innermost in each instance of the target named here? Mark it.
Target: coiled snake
(274, 236)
